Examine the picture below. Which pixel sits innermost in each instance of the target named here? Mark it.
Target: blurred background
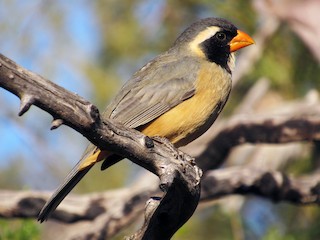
(92, 47)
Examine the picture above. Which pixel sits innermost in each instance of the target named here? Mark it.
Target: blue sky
(29, 41)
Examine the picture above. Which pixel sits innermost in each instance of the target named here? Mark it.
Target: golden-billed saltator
(178, 95)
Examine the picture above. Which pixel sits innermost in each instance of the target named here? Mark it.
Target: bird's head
(213, 39)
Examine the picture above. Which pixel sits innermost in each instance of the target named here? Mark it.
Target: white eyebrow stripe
(201, 37)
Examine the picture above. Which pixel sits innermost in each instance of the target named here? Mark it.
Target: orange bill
(240, 41)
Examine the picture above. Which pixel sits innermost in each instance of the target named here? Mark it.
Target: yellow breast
(191, 118)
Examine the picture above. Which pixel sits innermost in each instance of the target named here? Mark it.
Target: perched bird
(178, 95)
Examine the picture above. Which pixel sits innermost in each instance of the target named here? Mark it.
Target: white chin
(231, 62)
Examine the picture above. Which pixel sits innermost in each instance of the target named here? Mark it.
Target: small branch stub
(94, 114)
(25, 103)
(181, 193)
(56, 123)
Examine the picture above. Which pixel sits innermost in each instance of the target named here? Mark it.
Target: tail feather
(70, 182)
(91, 155)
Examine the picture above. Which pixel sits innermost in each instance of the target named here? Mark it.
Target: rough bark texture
(179, 176)
(96, 216)
(216, 184)
(270, 184)
(281, 129)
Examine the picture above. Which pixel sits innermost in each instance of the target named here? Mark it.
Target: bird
(177, 95)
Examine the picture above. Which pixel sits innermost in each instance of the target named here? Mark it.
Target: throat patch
(217, 53)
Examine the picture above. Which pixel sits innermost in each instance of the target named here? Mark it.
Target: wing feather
(150, 94)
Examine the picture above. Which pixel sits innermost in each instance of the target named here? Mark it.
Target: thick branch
(269, 184)
(178, 174)
(221, 186)
(121, 205)
(253, 129)
(101, 215)
(281, 129)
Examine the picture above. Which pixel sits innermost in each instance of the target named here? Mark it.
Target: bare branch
(253, 129)
(123, 204)
(177, 172)
(273, 185)
(300, 124)
(100, 215)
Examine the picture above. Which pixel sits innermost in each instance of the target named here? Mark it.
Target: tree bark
(96, 215)
(178, 174)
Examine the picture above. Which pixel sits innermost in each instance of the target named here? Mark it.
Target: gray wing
(155, 89)
(152, 91)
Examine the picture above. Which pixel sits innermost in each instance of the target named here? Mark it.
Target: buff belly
(191, 118)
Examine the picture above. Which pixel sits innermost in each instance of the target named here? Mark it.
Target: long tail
(91, 156)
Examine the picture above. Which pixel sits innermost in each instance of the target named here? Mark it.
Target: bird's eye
(221, 36)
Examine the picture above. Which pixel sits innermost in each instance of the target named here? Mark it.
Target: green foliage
(19, 230)
(207, 224)
(298, 224)
(11, 178)
(11, 175)
(275, 234)
(288, 64)
(301, 166)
